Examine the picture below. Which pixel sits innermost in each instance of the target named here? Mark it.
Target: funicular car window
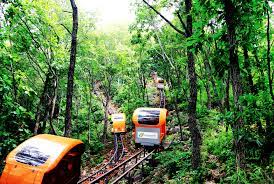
(31, 155)
(37, 151)
(118, 118)
(160, 80)
(149, 117)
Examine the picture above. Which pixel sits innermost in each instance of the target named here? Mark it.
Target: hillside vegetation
(60, 74)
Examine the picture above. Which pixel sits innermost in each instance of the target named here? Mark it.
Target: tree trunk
(268, 55)
(78, 106)
(53, 106)
(107, 96)
(104, 137)
(67, 132)
(89, 117)
(261, 70)
(195, 132)
(41, 106)
(226, 103)
(252, 89)
(258, 63)
(47, 102)
(14, 83)
(207, 74)
(192, 123)
(211, 79)
(208, 104)
(268, 147)
(90, 88)
(143, 82)
(178, 117)
(230, 19)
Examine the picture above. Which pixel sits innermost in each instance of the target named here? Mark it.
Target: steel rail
(104, 166)
(130, 169)
(116, 146)
(118, 166)
(123, 147)
(162, 98)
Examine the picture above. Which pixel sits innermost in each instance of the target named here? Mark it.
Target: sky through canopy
(109, 12)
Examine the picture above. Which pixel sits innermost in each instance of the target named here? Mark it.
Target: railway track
(162, 98)
(122, 168)
(119, 151)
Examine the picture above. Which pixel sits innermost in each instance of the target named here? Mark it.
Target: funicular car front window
(37, 151)
(118, 118)
(149, 117)
(31, 155)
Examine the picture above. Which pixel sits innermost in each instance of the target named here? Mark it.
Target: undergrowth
(218, 158)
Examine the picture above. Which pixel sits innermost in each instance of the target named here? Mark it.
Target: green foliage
(173, 160)
(176, 162)
(219, 142)
(34, 45)
(219, 157)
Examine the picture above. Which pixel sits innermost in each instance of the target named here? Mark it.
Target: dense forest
(60, 74)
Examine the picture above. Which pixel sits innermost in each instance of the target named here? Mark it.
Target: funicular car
(119, 123)
(150, 126)
(46, 159)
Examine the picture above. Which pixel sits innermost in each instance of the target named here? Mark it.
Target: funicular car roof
(49, 148)
(146, 113)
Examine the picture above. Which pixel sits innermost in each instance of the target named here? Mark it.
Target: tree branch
(163, 50)
(66, 11)
(182, 22)
(37, 44)
(66, 28)
(165, 19)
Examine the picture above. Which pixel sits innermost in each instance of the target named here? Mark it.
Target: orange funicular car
(160, 83)
(46, 159)
(150, 126)
(119, 123)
